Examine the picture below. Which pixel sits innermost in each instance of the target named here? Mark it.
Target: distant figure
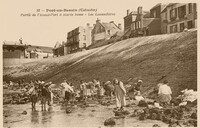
(120, 93)
(96, 83)
(44, 96)
(109, 88)
(100, 91)
(68, 91)
(138, 87)
(33, 92)
(83, 89)
(164, 93)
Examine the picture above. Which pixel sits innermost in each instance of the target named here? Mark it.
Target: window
(154, 14)
(182, 27)
(189, 24)
(84, 45)
(139, 25)
(108, 32)
(190, 8)
(181, 11)
(195, 7)
(166, 16)
(173, 14)
(133, 26)
(173, 28)
(84, 37)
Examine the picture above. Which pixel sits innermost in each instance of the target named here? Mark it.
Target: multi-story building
(104, 31)
(128, 20)
(59, 49)
(146, 23)
(178, 16)
(78, 39)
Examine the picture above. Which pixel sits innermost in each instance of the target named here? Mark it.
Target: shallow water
(56, 116)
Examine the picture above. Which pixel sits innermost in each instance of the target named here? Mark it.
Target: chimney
(20, 40)
(88, 25)
(128, 11)
(63, 42)
(98, 20)
(139, 10)
(120, 26)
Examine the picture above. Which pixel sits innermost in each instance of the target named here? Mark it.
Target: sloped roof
(146, 14)
(57, 45)
(156, 6)
(109, 26)
(133, 13)
(39, 49)
(13, 43)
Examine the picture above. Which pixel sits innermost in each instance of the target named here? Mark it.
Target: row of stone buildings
(160, 19)
(81, 37)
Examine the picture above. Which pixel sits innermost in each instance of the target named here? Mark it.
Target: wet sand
(56, 116)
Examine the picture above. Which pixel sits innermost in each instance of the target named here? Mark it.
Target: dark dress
(45, 95)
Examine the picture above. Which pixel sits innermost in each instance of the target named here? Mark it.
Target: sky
(46, 31)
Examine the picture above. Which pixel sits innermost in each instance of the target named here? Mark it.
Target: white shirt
(164, 89)
(67, 87)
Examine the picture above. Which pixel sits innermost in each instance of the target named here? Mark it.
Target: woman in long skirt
(120, 93)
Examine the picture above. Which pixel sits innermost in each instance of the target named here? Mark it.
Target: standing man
(120, 93)
(164, 93)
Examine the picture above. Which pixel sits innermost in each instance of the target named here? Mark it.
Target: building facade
(128, 20)
(146, 23)
(78, 39)
(59, 49)
(178, 16)
(14, 50)
(34, 52)
(104, 31)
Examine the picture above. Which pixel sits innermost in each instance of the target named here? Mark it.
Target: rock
(142, 116)
(153, 116)
(172, 125)
(155, 125)
(7, 101)
(194, 115)
(193, 122)
(128, 105)
(125, 112)
(24, 112)
(109, 121)
(117, 113)
(142, 103)
(69, 110)
(176, 101)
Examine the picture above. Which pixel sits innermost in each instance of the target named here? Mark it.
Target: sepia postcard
(99, 63)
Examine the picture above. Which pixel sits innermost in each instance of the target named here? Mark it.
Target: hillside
(171, 56)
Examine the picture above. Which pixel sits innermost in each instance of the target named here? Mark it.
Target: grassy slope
(147, 58)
